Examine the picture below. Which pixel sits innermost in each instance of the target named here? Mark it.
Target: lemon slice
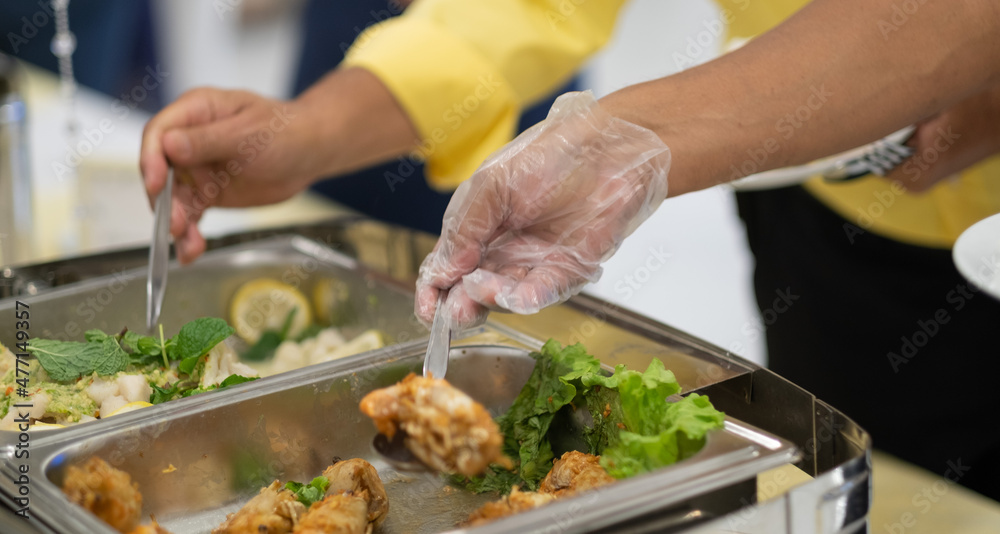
(45, 426)
(130, 407)
(366, 341)
(264, 304)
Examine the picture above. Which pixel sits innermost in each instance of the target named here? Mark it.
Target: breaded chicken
(272, 511)
(575, 472)
(343, 513)
(445, 428)
(106, 492)
(359, 477)
(515, 502)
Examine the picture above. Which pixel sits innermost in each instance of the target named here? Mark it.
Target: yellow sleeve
(464, 69)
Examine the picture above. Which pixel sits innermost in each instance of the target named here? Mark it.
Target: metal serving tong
(435, 365)
(159, 254)
(877, 158)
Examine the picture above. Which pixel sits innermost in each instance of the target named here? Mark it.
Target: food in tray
(347, 498)
(444, 427)
(574, 472)
(70, 382)
(106, 492)
(634, 429)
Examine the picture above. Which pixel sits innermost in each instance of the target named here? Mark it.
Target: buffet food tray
(204, 289)
(196, 461)
(379, 262)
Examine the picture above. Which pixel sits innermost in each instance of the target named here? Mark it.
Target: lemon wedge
(264, 304)
(45, 426)
(130, 407)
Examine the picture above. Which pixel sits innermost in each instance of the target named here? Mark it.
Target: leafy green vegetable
(309, 493)
(232, 380)
(69, 360)
(681, 435)
(94, 335)
(161, 395)
(198, 337)
(269, 341)
(635, 428)
(309, 332)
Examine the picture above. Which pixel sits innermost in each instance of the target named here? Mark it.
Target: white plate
(977, 255)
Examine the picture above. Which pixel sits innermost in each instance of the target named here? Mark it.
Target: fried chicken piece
(444, 427)
(106, 492)
(343, 513)
(515, 502)
(359, 477)
(575, 472)
(272, 511)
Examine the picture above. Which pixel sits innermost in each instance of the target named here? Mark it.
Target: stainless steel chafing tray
(835, 453)
(197, 460)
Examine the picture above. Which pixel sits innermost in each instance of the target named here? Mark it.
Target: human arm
(820, 83)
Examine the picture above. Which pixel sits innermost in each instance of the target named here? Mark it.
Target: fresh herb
(233, 380)
(635, 429)
(186, 389)
(269, 341)
(69, 360)
(309, 493)
(309, 332)
(161, 395)
(198, 337)
(107, 354)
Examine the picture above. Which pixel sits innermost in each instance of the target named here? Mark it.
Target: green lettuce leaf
(309, 493)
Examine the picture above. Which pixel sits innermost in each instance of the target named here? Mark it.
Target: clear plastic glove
(536, 220)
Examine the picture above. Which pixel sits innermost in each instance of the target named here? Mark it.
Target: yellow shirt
(464, 69)
(931, 219)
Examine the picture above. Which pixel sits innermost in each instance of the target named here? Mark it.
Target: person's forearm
(838, 74)
(354, 122)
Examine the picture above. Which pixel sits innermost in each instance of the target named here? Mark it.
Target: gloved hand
(536, 220)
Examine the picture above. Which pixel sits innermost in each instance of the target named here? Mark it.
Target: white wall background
(699, 277)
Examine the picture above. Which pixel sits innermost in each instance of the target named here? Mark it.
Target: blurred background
(688, 267)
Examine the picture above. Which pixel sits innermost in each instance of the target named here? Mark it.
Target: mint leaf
(198, 337)
(232, 380)
(264, 348)
(309, 493)
(65, 360)
(112, 358)
(94, 334)
(161, 395)
(188, 364)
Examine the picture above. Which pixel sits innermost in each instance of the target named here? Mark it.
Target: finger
(483, 285)
(425, 303)
(198, 106)
(462, 311)
(190, 245)
(204, 144)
